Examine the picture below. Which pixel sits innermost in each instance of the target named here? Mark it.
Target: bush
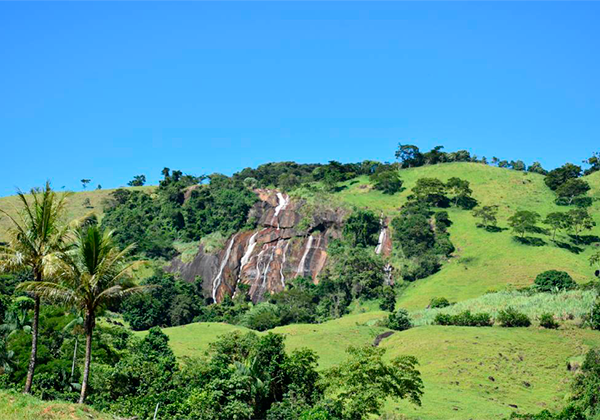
(440, 302)
(400, 320)
(464, 319)
(512, 318)
(594, 319)
(547, 321)
(262, 317)
(553, 280)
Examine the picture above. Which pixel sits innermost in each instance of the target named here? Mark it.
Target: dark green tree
(524, 221)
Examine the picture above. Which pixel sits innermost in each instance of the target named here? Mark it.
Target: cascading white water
(282, 202)
(300, 270)
(249, 249)
(217, 281)
(381, 241)
(282, 277)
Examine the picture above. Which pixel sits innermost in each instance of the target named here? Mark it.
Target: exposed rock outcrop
(280, 249)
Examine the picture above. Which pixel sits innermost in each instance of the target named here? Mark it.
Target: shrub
(440, 302)
(464, 319)
(262, 317)
(553, 280)
(512, 318)
(399, 320)
(594, 319)
(547, 321)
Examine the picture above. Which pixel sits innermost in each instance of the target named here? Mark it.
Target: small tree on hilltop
(85, 182)
(523, 221)
(409, 156)
(137, 181)
(559, 176)
(487, 214)
(431, 191)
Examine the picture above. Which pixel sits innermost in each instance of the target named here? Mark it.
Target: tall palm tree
(91, 275)
(36, 235)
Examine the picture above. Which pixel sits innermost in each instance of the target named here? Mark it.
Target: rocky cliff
(283, 246)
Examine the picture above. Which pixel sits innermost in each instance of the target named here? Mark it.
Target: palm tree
(91, 275)
(35, 237)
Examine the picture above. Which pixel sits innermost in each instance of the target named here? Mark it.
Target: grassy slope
(484, 261)
(15, 406)
(75, 207)
(528, 367)
(456, 362)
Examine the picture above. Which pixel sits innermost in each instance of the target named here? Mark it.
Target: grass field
(469, 373)
(484, 261)
(16, 406)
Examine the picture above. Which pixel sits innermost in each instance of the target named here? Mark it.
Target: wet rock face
(276, 252)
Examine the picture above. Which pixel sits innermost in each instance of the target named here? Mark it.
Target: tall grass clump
(573, 305)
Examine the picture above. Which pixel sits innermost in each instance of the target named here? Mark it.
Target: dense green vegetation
(510, 248)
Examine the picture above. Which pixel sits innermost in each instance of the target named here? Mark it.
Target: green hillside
(15, 406)
(484, 261)
(468, 372)
(77, 206)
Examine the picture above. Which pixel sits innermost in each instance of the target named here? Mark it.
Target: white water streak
(381, 241)
(300, 270)
(282, 202)
(218, 280)
(282, 277)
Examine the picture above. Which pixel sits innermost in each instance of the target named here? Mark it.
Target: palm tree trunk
(34, 344)
(89, 329)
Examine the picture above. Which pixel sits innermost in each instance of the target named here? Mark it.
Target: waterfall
(381, 240)
(300, 270)
(282, 277)
(217, 281)
(282, 202)
(249, 249)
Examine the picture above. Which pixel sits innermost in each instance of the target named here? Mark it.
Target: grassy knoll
(484, 261)
(329, 339)
(77, 206)
(477, 373)
(16, 406)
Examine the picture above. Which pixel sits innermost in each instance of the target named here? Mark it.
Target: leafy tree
(487, 214)
(557, 221)
(595, 260)
(536, 167)
(388, 299)
(580, 220)
(137, 181)
(435, 156)
(362, 228)
(524, 221)
(431, 191)
(460, 188)
(262, 317)
(571, 189)
(388, 182)
(556, 177)
(85, 182)
(399, 320)
(594, 162)
(584, 390)
(363, 382)
(553, 280)
(409, 156)
(35, 238)
(518, 165)
(92, 275)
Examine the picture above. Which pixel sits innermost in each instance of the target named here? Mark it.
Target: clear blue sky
(109, 90)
